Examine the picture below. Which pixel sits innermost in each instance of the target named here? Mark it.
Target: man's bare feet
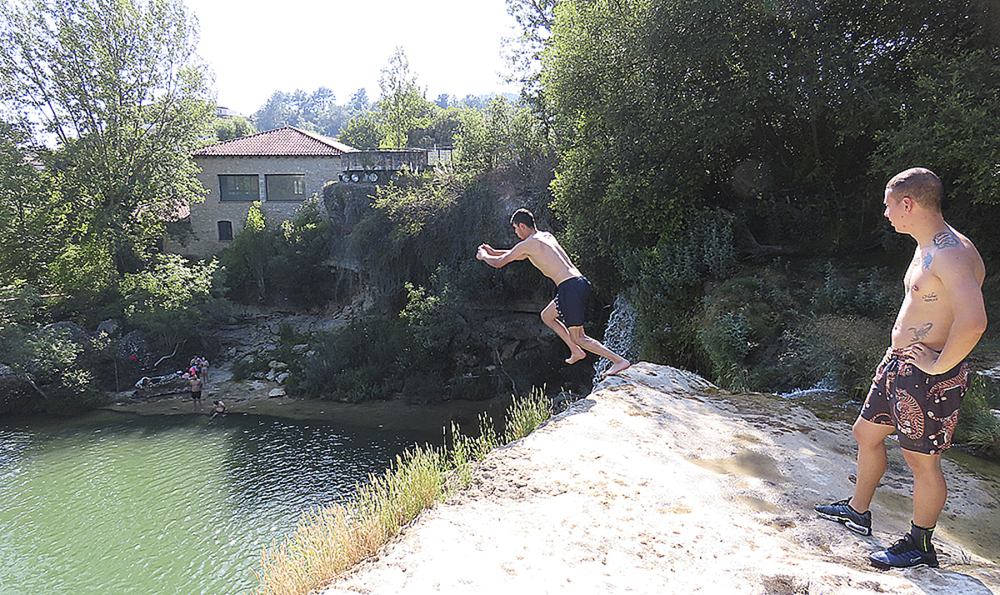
(616, 368)
(575, 355)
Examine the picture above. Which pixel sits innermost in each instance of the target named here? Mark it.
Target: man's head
(919, 184)
(523, 223)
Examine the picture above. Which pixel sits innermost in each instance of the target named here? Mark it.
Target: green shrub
(270, 265)
(164, 300)
(978, 426)
(364, 360)
(741, 319)
(838, 352)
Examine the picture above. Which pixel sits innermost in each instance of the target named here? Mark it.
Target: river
(113, 503)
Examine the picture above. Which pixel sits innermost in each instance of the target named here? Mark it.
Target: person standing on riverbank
(919, 385)
(572, 288)
(196, 386)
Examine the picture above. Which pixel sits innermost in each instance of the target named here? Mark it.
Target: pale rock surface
(659, 483)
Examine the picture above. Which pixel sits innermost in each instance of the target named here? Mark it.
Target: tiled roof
(280, 142)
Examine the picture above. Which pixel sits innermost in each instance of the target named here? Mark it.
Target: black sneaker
(841, 512)
(903, 554)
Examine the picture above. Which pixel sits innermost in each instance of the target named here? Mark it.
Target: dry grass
(331, 540)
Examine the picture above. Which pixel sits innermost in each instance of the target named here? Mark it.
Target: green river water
(117, 504)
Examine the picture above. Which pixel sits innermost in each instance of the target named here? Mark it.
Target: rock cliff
(660, 483)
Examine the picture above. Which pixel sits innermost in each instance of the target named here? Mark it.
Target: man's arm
(498, 258)
(965, 295)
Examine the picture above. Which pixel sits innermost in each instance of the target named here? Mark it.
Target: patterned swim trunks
(922, 407)
(571, 300)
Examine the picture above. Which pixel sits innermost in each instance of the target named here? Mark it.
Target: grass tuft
(331, 540)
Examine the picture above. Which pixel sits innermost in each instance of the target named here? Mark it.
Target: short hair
(920, 184)
(523, 216)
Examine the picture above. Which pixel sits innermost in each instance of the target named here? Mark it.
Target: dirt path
(658, 484)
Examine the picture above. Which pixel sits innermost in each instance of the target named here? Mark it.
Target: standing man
(919, 385)
(196, 386)
(572, 288)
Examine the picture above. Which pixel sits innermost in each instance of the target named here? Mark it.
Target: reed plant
(330, 540)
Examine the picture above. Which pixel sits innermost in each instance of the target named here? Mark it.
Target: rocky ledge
(660, 483)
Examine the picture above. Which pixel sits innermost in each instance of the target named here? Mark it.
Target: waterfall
(619, 335)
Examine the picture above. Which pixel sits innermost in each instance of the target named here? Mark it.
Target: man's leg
(871, 461)
(550, 316)
(929, 487)
(929, 494)
(618, 363)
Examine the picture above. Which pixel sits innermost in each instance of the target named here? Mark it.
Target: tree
(117, 85)
(230, 128)
(31, 213)
(277, 112)
(776, 112)
(402, 103)
(363, 131)
(536, 18)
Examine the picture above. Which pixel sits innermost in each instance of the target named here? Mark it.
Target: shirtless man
(919, 385)
(572, 288)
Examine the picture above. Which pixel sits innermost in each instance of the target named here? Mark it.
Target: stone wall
(205, 216)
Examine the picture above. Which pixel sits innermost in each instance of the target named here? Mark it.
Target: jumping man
(919, 385)
(572, 288)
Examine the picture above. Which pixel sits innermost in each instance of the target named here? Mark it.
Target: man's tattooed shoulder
(946, 239)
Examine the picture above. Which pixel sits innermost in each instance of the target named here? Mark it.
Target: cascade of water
(619, 335)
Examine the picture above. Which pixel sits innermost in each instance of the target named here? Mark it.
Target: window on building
(225, 231)
(239, 188)
(286, 187)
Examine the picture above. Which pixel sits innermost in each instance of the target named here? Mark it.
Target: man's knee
(923, 464)
(869, 434)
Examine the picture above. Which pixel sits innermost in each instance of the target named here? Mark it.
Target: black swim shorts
(571, 297)
(922, 407)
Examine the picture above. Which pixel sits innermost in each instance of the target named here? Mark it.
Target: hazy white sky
(257, 47)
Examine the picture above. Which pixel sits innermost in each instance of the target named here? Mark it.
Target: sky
(257, 47)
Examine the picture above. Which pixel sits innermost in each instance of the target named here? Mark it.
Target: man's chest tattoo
(929, 297)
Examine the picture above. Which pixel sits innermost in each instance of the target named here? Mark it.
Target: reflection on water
(115, 504)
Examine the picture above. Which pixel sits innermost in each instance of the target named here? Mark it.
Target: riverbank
(251, 397)
(660, 483)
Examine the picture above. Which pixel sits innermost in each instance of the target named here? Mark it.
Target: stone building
(281, 168)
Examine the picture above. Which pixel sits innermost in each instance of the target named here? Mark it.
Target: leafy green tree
(230, 128)
(118, 87)
(359, 102)
(31, 213)
(402, 104)
(245, 261)
(316, 111)
(772, 111)
(280, 262)
(363, 132)
(277, 112)
(536, 19)
(164, 299)
(504, 136)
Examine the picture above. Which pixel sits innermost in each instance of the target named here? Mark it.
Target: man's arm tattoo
(946, 239)
(928, 258)
(920, 333)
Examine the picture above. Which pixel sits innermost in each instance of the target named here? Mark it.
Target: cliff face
(657, 483)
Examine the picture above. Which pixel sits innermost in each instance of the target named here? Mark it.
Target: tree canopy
(789, 115)
(117, 87)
